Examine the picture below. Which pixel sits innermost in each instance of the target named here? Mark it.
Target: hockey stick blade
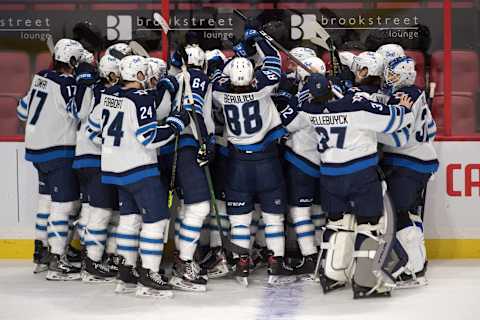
(138, 49)
(163, 23)
(116, 54)
(50, 44)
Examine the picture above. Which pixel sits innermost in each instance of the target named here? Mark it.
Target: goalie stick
(317, 40)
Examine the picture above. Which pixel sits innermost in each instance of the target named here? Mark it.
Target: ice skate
(40, 257)
(127, 278)
(242, 270)
(74, 256)
(187, 276)
(95, 272)
(215, 263)
(306, 268)
(408, 281)
(112, 261)
(60, 270)
(259, 258)
(278, 272)
(153, 284)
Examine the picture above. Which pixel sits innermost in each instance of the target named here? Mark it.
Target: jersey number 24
(252, 121)
(115, 128)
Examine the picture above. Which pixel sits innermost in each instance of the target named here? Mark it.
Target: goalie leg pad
(337, 246)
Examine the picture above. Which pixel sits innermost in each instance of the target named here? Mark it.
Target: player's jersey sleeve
(147, 131)
(293, 119)
(269, 74)
(93, 129)
(22, 107)
(375, 116)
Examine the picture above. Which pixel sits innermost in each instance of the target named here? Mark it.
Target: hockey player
(127, 123)
(50, 143)
(156, 68)
(346, 131)
(101, 199)
(191, 179)
(302, 175)
(254, 169)
(123, 48)
(409, 162)
(390, 52)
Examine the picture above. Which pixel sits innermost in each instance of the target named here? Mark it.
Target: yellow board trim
(436, 248)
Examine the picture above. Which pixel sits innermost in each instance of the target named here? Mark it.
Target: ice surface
(453, 294)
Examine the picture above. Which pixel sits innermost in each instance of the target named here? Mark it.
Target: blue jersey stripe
(267, 140)
(183, 142)
(393, 115)
(49, 155)
(350, 168)
(301, 164)
(86, 163)
(418, 166)
(396, 139)
(130, 178)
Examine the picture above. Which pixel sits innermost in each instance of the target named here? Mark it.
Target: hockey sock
(58, 223)
(43, 211)
(178, 222)
(190, 228)
(215, 240)
(151, 244)
(82, 222)
(304, 229)
(274, 233)
(96, 232)
(319, 219)
(240, 229)
(112, 233)
(127, 237)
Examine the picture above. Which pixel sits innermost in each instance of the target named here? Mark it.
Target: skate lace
(102, 267)
(156, 277)
(192, 269)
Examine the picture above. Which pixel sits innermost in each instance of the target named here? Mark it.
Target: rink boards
(452, 217)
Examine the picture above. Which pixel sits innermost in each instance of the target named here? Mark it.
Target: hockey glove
(178, 57)
(178, 120)
(206, 152)
(170, 83)
(86, 74)
(243, 49)
(282, 99)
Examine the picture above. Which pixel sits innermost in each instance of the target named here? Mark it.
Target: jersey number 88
(252, 121)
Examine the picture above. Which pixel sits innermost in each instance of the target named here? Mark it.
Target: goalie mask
(68, 51)
(399, 73)
(134, 68)
(390, 51)
(109, 68)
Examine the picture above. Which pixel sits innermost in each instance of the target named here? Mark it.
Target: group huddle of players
(293, 151)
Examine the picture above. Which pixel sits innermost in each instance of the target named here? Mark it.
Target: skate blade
(329, 285)
(39, 268)
(125, 288)
(243, 281)
(59, 276)
(281, 280)
(218, 272)
(308, 278)
(413, 283)
(365, 295)
(180, 284)
(142, 292)
(90, 278)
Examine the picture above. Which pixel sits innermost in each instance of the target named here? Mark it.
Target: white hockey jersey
(252, 120)
(125, 122)
(50, 132)
(412, 146)
(347, 130)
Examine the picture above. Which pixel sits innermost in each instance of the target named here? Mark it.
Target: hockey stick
(276, 44)
(50, 44)
(226, 243)
(137, 49)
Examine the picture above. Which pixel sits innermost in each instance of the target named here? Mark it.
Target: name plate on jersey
(40, 83)
(112, 102)
(238, 98)
(329, 119)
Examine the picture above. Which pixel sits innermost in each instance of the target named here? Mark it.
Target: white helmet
(371, 60)
(156, 67)
(130, 66)
(87, 57)
(240, 72)
(210, 54)
(390, 51)
(121, 47)
(68, 51)
(314, 63)
(195, 55)
(346, 58)
(400, 72)
(108, 64)
(301, 53)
